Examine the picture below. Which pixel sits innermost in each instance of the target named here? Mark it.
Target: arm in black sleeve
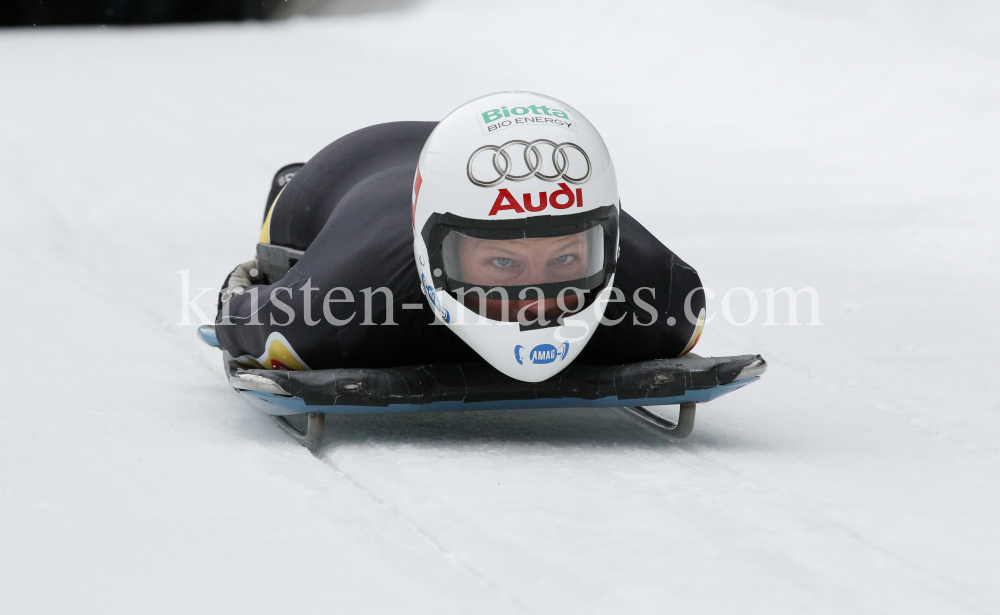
(652, 319)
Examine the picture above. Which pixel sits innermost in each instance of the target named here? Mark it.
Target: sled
(685, 381)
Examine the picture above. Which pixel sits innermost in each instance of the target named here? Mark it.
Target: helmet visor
(516, 270)
(525, 261)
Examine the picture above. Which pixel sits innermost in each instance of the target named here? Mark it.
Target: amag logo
(493, 120)
(541, 354)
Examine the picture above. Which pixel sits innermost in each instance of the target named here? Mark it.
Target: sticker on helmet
(506, 200)
(503, 117)
(541, 354)
(434, 300)
(569, 162)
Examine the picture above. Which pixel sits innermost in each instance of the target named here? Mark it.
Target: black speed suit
(348, 208)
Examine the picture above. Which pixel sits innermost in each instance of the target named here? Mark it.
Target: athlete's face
(523, 262)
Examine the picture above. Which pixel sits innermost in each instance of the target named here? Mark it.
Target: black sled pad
(473, 386)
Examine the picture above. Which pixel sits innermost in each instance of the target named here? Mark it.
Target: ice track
(850, 148)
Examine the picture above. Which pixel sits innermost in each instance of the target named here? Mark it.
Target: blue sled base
(685, 381)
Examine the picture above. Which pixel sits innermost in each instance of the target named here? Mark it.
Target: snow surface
(851, 146)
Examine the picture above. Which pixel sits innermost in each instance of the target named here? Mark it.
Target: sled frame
(312, 436)
(684, 382)
(680, 429)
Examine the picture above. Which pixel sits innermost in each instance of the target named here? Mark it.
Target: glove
(243, 277)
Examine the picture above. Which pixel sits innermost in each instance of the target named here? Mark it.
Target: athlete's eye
(502, 262)
(565, 259)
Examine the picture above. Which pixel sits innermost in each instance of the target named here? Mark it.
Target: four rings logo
(503, 166)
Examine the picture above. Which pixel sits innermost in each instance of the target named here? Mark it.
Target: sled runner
(686, 381)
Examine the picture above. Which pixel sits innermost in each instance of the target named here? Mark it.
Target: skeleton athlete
(495, 235)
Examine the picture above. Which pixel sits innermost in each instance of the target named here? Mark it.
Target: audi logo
(503, 165)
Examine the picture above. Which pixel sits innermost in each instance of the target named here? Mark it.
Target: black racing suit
(349, 209)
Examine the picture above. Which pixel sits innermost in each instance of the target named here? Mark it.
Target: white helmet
(515, 230)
